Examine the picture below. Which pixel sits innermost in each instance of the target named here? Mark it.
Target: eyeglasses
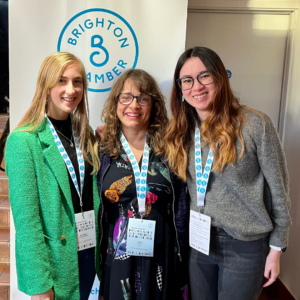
(186, 83)
(142, 99)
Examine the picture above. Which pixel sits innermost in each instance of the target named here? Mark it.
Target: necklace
(70, 140)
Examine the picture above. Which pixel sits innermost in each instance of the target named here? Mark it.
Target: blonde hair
(49, 75)
(146, 84)
(220, 129)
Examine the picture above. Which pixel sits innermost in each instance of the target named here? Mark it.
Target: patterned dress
(132, 277)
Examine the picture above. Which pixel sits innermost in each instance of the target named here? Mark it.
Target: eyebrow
(202, 72)
(64, 77)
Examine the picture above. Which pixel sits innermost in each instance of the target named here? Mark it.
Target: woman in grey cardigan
(233, 162)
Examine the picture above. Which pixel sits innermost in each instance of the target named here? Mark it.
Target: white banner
(109, 36)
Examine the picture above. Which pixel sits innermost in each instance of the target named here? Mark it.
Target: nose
(134, 103)
(70, 88)
(197, 85)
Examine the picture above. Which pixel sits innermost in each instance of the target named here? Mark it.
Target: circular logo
(104, 41)
(229, 73)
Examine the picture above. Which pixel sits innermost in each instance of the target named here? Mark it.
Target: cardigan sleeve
(272, 162)
(32, 254)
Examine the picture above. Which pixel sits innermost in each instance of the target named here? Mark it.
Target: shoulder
(23, 136)
(256, 119)
(258, 125)
(18, 137)
(253, 116)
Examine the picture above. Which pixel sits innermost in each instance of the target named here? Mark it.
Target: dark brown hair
(221, 127)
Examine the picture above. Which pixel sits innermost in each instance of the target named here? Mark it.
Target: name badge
(200, 232)
(140, 237)
(85, 226)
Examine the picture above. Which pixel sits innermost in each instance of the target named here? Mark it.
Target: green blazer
(41, 203)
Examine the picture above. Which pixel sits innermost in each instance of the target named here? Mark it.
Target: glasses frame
(201, 73)
(137, 99)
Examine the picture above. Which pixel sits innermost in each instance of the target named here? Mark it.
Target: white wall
(290, 272)
(290, 263)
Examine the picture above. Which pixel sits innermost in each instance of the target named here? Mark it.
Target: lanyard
(68, 162)
(140, 175)
(202, 177)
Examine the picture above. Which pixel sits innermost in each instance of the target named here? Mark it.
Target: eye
(186, 80)
(205, 75)
(125, 97)
(144, 98)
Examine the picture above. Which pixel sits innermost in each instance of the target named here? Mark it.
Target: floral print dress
(133, 277)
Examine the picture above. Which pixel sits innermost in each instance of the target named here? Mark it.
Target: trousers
(234, 269)
(87, 272)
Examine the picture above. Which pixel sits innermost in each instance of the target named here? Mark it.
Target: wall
(290, 272)
(290, 131)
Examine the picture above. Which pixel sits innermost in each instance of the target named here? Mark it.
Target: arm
(44, 296)
(32, 253)
(181, 210)
(98, 132)
(273, 166)
(272, 267)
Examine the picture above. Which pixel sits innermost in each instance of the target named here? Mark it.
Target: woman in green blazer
(51, 162)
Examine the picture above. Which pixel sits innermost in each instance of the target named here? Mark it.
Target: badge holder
(140, 237)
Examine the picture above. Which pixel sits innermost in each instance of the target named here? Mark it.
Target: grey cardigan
(249, 199)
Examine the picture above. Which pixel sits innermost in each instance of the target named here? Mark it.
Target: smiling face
(199, 96)
(65, 96)
(133, 116)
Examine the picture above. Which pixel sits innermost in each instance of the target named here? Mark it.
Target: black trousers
(87, 272)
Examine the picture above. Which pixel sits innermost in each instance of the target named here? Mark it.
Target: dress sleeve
(181, 210)
(32, 253)
(274, 168)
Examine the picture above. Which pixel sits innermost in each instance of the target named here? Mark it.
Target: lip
(68, 99)
(200, 96)
(132, 115)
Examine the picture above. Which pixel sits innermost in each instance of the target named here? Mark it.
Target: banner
(109, 36)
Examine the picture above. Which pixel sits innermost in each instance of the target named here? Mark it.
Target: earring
(182, 99)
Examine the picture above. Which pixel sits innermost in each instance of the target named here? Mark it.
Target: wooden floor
(4, 227)
(277, 291)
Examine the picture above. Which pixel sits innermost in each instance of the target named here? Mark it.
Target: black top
(134, 277)
(64, 127)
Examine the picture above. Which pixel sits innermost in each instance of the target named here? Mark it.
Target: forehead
(130, 86)
(72, 70)
(192, 67)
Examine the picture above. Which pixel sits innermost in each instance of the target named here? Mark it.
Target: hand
(272, 267)
(98, 132)
(44, 296)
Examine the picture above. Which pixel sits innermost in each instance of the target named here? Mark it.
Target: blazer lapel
(55, 161)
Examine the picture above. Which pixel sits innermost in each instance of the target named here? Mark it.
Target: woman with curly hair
(51, 163)
(138, 191)
(234, 165)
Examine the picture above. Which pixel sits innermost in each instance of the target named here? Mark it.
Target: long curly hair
(49, 75)
(146, 84)
(220, 128)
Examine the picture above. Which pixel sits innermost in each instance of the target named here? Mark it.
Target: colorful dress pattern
(133, 277)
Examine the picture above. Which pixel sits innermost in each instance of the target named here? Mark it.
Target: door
(252, 47)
